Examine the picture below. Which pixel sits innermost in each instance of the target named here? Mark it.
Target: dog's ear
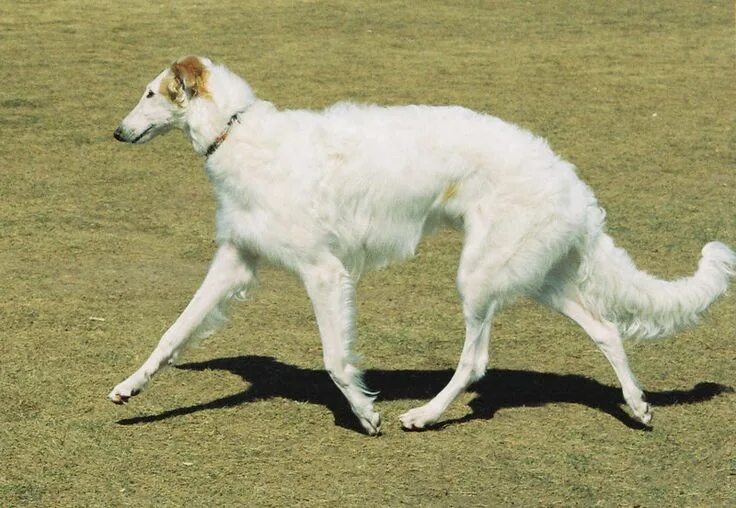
(173, 88)
(190, 78)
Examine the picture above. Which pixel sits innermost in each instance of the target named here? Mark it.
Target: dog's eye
(149, 94)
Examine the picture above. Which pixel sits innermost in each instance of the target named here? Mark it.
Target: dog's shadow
(500, 388)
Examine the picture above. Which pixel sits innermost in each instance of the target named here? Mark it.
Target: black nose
(118, 134)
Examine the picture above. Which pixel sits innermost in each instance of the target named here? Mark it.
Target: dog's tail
(641, 305)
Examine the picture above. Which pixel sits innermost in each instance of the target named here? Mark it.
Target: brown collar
(223, 135)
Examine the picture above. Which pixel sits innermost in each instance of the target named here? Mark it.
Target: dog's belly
(364, 235)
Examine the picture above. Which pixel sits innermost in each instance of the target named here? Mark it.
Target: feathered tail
(643, 306)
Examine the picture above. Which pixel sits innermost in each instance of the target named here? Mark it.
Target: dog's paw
(371, 423)
(418, 418)
(643, 413)
(122, 392)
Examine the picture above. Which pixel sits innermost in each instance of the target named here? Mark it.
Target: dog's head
(165, 100)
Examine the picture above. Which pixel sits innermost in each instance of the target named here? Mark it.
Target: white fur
(332, 194)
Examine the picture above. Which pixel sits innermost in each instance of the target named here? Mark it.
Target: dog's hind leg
(231, 272)
(478, 310)
(501, 259)
(332, 292)
(608, 339)
(488, 276)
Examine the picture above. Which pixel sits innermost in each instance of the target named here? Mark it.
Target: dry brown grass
(102, 245)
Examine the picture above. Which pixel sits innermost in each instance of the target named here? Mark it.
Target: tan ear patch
(172, 88)
(190, 73)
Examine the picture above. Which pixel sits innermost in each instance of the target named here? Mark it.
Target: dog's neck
(207, 128)
(223, 135)
(209, 119)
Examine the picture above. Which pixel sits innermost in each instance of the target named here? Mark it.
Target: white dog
(332, 194)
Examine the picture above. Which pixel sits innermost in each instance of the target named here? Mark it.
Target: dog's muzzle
(126, 137)
(118, 134)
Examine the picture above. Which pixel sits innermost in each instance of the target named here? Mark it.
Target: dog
(332, 194)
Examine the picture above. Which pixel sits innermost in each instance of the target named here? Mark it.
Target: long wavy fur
(643, 306)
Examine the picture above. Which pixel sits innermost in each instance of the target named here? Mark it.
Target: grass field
(102, 244)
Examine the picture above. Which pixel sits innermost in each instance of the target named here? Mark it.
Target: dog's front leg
(230, 272)
(332, 292)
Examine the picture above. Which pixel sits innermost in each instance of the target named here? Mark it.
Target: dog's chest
(269, 218)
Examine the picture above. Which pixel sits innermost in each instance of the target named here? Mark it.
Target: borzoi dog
(332, 194)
